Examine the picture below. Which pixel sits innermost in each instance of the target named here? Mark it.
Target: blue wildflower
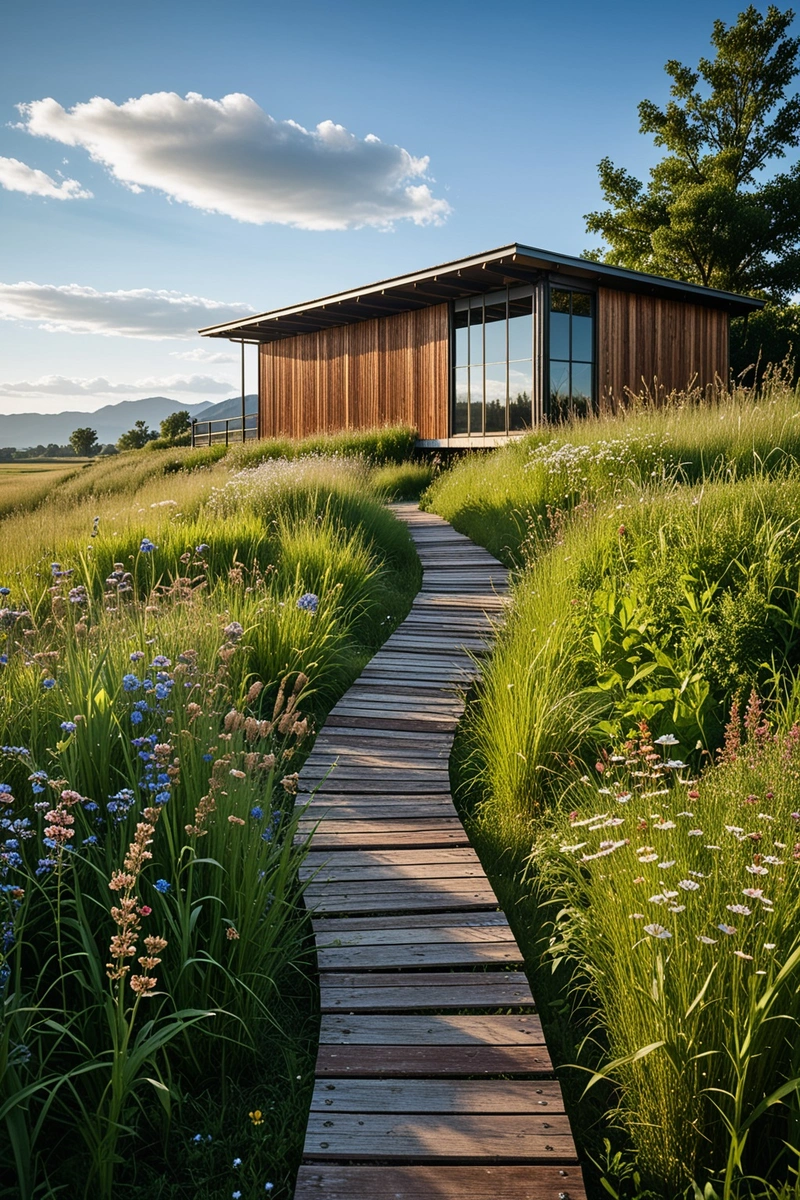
(136, 717)
(147, 547)
(131, 683)
(45, 866)
(309, 602)
(237, 1162)
(162, 798)
(160, 661)
(257, 813)
(68, 726)
(236, 1195)
(47, 684)
(207, 757)
(162, 885)
(4, 591)
(90, 841)
(137, 656)
(201, 549)
(3, 660)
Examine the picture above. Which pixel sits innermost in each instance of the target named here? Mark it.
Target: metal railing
(224, 432)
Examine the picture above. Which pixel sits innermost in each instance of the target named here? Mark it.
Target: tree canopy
(137, 437)
(84, 441)
(715, 211)
(176, 424)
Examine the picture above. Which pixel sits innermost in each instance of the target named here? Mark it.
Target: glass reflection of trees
(493, 372)
(571, 354)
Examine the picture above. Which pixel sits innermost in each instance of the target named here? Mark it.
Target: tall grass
(162, 651)
(505, 499)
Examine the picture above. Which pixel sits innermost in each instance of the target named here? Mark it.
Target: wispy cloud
(204, 356)
(142, 313)
(59, 385)
(229, 156)
(16, 176)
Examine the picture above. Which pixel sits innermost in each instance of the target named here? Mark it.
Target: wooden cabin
(476, 351)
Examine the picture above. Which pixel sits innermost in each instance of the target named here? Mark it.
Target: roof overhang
(508, 265)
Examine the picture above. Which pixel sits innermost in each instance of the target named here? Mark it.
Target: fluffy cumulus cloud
(58, 385)
(142, 313)
(16, 176)
(229, 156)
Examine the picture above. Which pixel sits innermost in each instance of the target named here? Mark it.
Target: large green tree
(84, 441)
(137, 437)
(716, 211)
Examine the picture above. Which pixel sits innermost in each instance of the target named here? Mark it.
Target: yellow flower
(256, 1117)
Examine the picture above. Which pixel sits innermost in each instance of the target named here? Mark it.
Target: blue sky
(513, 104)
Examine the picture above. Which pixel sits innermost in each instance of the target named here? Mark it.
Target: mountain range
(21, 430)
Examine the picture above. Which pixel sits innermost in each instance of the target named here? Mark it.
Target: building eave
(506, 265)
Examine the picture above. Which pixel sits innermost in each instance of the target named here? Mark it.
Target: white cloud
(229, 156)
(59, 385)
(204, 356)
(16, 176)
(142, 313)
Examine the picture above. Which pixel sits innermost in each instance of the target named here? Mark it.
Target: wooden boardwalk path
(433, 1081)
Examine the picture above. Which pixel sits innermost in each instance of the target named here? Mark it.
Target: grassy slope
(134, 498)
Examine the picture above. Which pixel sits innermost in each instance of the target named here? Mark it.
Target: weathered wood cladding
(385, 370)
(658, 345)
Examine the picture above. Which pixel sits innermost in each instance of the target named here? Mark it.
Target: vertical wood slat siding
(657, 345)
(385, 370)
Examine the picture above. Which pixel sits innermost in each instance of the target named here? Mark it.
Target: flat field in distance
(25, 484)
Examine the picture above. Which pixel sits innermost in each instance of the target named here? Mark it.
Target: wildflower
(232, 934)
(162, 885)
(664, 825)
(147, 547)
(236, 1195)
(636, 916)
(707, 941)
(677, 908)
(657, 931)
(753, 893)
(688, 885)
(755, 869)
(770, 945)
(666, 739)
(131, 683)
(647, 858)
(233, 631)
(257, 813)
(741, 954)
(4, 591)
(664, 866)
(256, 1117)
(238, 774)
(730, 930)
(137, 656)
(308, 602)
(237, 1162)
(47, 684)
(68, 726)
(740, 909)
(695, 833)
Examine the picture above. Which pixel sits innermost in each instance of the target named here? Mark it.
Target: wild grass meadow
(629, 772)
(171, 637)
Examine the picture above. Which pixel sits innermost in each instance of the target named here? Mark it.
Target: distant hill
(228, 408)
(21, 430)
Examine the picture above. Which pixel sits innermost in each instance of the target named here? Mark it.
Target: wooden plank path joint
(432, 1080)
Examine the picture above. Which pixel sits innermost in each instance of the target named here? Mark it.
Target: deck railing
(224, 432)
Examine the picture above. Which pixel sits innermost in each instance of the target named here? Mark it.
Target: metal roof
(508, 265)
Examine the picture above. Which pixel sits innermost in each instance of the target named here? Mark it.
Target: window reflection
(520, 391)
(520, 328)
(476, 399)
(461, 400)
(461, 338)
(496, 390)
(494, 335)
(476, 333)
(571, 354)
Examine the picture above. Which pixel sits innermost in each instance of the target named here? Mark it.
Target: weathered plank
(442, 1029)
(438, 1096)
(476, 1182)
(450, 1137)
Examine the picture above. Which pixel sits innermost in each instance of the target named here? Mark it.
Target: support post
(244, 403)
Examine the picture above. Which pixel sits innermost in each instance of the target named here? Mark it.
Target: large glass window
(571, 354)
(493, 349)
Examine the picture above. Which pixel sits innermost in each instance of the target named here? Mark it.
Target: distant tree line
(83, 442)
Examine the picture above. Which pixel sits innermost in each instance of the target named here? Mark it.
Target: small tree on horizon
(137, 437)
(84, 441)
(176, 424)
